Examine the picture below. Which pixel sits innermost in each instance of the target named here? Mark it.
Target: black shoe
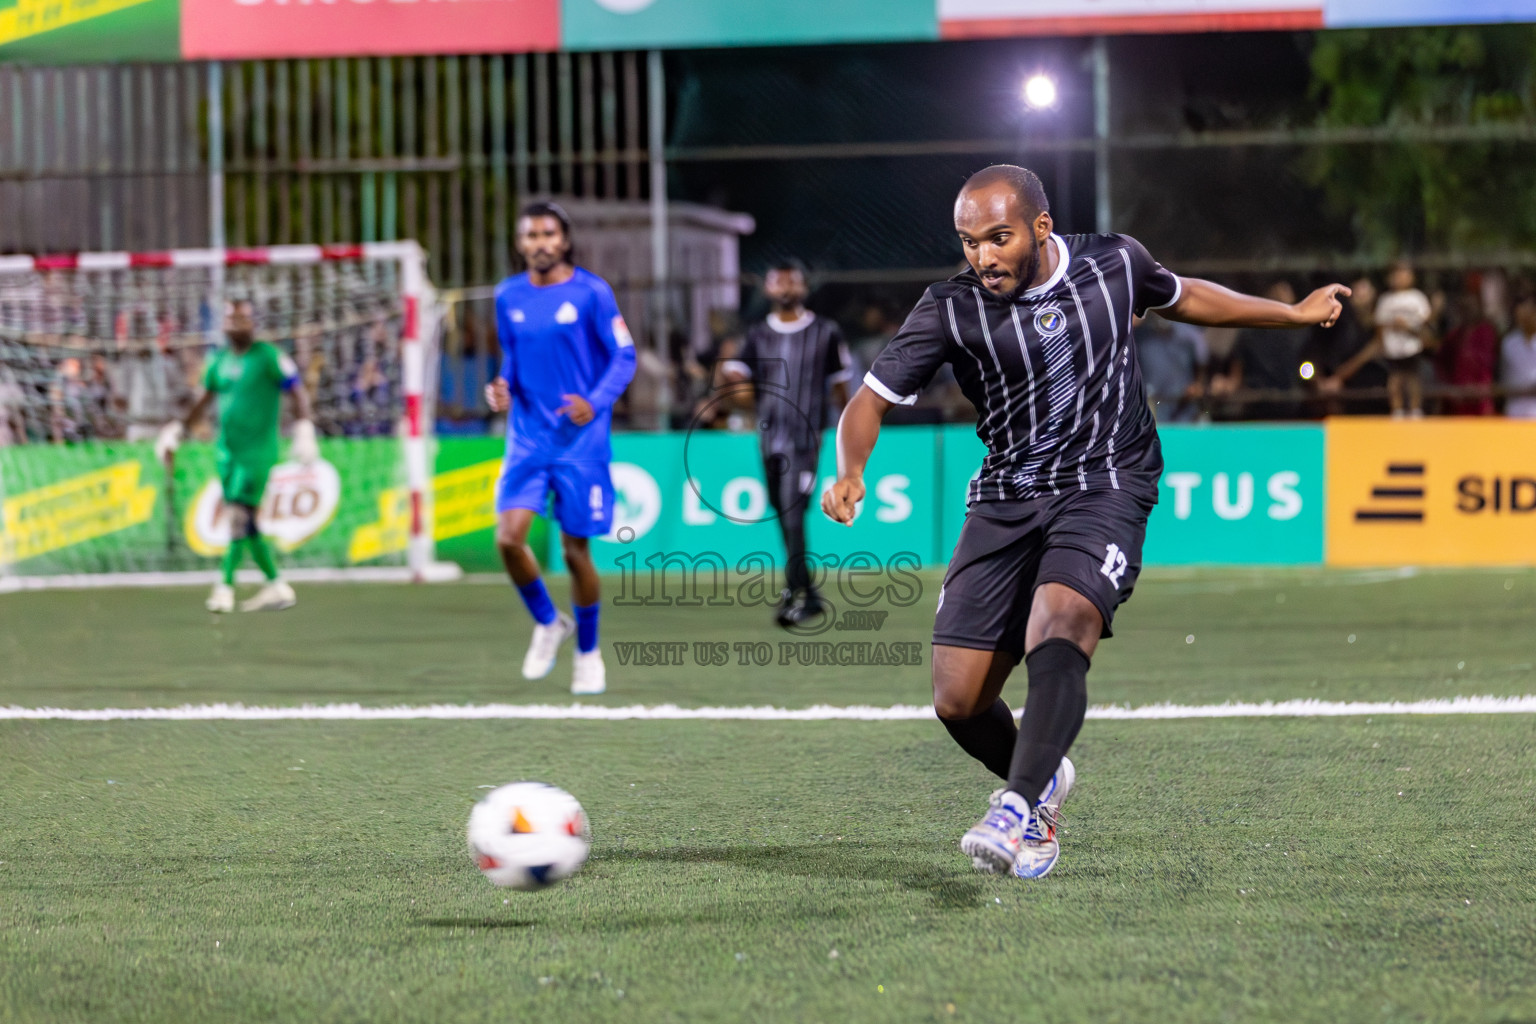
(805, 610)
(785, 609)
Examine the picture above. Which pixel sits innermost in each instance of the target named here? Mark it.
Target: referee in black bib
(794, 362)
(1038, 332)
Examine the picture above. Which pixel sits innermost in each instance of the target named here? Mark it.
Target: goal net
(99, 350)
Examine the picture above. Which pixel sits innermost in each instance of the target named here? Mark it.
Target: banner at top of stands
(76, 31)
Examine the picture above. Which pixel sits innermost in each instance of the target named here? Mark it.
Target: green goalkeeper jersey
(250, 387)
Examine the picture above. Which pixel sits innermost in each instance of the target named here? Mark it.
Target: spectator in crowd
(1517, 364)
(1404, 330)
(1173, 359)
(1329, 349)
(1267, 360)
(67, 402)
(876, 327)
(1469, 355)
(13, 426)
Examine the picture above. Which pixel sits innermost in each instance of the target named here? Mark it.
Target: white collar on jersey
(1063, 257)
(794, 326)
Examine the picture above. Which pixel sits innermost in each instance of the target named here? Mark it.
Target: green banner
(638, 24)
(1230, 495)
(108, 507)
(1240, 495)
(693, 498)
(89, 31)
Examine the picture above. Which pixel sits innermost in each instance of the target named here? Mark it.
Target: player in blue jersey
(566, 357)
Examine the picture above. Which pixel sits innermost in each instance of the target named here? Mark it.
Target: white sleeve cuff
(1178, 293)
(736, 366)
(873, 383)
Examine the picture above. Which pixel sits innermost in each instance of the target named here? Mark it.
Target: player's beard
(240, 339)
(1026, 273)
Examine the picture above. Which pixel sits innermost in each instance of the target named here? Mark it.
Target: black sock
(1053, 714)
(988, 737)
(796, 574)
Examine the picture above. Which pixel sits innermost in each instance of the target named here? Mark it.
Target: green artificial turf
(1186, 636)
(1317, 870)
(1335, 869)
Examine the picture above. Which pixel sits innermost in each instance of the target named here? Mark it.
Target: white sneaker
(221, 598)
(1040, 849)
(993, 842)
(273, 597)
(540, 659)
(590, 676)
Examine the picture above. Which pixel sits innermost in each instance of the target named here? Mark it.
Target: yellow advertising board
(1459, 491)
(22, 18)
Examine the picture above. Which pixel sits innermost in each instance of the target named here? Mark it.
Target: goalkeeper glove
(304, 450)
(168, 441)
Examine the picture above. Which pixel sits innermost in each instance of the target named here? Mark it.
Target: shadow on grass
(476, 922)
(949, 887)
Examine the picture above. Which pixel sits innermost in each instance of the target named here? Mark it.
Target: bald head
(1021, 181)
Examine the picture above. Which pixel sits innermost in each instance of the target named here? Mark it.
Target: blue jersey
(558, 340)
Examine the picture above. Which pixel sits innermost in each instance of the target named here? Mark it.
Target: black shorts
(1087, 540)
(1407, 364)
(791, 480)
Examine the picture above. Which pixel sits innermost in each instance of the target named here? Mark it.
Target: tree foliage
(1406, 197)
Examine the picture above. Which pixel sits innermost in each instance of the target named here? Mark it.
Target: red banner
(255, 29)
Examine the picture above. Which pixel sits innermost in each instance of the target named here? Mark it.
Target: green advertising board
(89, 31)
(692, 499)
(1238, 495)
(637, 24)
(1230, 495)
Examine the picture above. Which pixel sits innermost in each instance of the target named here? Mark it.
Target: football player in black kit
(1038, 332)
(793, 363)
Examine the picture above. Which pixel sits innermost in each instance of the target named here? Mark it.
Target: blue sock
(539, 605)
(586, 626)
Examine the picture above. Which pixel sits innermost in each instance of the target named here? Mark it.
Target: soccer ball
(528, 835)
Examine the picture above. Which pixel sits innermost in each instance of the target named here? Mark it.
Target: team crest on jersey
(621, 333)
(566, 314)
(518, 316)
(1050, 321)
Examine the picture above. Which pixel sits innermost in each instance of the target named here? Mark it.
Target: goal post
(97, 350)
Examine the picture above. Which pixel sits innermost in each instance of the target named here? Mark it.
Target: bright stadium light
(1040, 92)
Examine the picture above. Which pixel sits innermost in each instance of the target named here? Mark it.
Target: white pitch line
(816, 713)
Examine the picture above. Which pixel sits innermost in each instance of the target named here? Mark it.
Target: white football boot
(993, 842)
(540, 659)
(1040, 848)
(221, 598)
(273, 597)
(589, 677)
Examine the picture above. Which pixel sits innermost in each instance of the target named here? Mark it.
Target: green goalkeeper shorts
(243, 478)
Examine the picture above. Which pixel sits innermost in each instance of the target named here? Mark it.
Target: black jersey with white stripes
(792, 364)
(1052, 373)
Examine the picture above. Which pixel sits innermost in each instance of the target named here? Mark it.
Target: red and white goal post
(98, 349)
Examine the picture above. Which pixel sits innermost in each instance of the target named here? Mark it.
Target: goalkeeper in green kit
(249, 378)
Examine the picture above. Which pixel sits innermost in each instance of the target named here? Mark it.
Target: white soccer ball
(528, 835)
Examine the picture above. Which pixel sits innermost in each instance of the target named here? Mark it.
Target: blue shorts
(583, 491)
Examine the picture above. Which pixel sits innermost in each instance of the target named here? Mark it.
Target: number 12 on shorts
(1114, 564)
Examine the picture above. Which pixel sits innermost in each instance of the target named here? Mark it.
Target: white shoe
(540, 659)
(993, 842)
(273, 597)
(1040, 849)
(221, 598)
(590, 676)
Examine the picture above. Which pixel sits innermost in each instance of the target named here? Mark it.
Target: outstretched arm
(857, 431)
(1210, 305)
